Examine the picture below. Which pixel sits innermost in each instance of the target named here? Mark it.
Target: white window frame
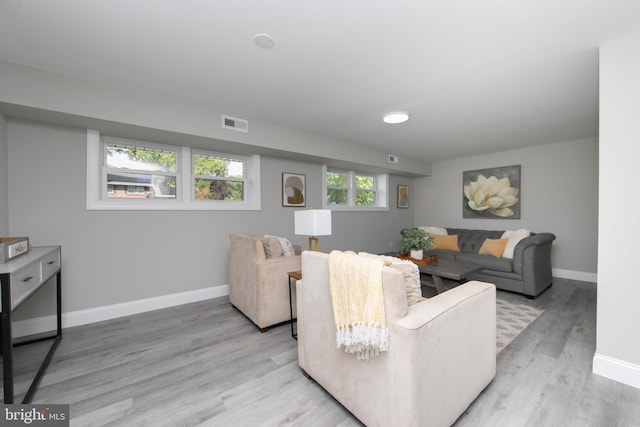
(185, 198)
(381, 190)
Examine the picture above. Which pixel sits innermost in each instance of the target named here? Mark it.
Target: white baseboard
(617, 370)
(70, 319)
(574, 275)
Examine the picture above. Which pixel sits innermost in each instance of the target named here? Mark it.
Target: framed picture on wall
(491, 193)
(293, 190)
(403, 196)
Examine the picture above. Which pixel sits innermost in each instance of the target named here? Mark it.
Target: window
(365, 190)
(218, 178)
(140, 171)
(137, 175)
(337, 190)
(351, 190)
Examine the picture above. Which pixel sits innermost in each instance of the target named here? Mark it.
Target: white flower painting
(492, 193)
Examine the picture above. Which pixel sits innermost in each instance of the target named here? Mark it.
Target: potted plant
(415, 241)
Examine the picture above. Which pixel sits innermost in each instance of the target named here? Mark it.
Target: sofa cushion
(488, 262)
(469, 241)
(449, 243)
(272, 247)
(513, 236)
(493, 247)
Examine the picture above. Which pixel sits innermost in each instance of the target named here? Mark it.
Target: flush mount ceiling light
(395, 117)
(264, 41)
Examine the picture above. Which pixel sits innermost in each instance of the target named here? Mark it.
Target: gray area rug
(511, 319)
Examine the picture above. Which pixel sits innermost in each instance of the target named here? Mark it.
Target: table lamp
(313, 223)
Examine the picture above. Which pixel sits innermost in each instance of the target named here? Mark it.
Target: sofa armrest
(529, 244)
(532, 259)
(535, 240)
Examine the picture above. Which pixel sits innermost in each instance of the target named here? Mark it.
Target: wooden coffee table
(448, 269)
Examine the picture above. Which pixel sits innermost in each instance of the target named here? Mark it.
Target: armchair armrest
(419, 315)
(448, 344)
(288, 260)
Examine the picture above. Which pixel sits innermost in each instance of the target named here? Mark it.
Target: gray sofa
(528, 273)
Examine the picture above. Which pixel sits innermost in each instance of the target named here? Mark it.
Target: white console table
(20, 278)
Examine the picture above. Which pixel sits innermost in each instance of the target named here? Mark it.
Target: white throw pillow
(435, 231)
(410, 273)
(513, 236)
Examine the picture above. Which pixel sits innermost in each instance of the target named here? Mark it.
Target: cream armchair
(258, 286)
(442, 350)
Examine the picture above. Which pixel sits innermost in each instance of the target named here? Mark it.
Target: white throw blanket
(358, 303)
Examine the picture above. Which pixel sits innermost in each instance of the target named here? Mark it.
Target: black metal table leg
(293, 335)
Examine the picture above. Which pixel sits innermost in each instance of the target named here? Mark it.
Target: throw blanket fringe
(358, 303)
(364, 340)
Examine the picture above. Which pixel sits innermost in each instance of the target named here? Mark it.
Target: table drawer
(50, 264)
(23, 282)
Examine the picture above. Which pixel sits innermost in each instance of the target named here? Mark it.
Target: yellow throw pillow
(449, 243)
(493, 247)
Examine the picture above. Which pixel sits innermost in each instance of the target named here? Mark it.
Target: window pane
(365, 198)
(141, 158)
(217, 166)
(365, 182)
(140, 186)
(336, 179)
(336, 197)
(218, 189)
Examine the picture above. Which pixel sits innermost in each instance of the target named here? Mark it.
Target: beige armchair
(258, 286)
(442, 350)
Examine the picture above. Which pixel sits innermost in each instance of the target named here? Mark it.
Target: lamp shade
(313, 222)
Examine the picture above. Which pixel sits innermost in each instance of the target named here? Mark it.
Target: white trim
(575, 275)
(381, 190)
(98, 314)
(617, 370)
(93, 158)
(183, 202)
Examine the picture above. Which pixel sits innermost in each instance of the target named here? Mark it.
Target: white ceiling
(475, 76)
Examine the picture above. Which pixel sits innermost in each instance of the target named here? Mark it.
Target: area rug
(511, 320)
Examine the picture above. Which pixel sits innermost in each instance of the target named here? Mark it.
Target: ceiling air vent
(233, 123)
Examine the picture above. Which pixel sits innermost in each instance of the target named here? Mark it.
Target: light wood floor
(205, 363)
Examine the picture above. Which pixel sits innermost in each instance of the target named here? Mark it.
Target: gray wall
(559, 194)
(4, 184)
(618, 347)
(111, 257)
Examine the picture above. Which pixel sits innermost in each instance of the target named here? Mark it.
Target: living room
(124, 262)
